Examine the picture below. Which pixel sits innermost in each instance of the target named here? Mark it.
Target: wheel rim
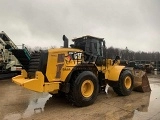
(128, 82)
(87, 88)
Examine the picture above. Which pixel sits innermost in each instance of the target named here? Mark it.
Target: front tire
(84, 89)
(125, 84)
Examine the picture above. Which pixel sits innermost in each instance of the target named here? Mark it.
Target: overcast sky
(122, 23)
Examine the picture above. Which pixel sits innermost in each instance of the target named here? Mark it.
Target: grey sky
(131, 23)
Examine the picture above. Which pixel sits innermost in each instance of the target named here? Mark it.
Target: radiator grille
(59, 67)
(60, 58)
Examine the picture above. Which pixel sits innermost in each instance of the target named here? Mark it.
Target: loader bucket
(141, 82)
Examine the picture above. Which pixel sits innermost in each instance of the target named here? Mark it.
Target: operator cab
(93, 47)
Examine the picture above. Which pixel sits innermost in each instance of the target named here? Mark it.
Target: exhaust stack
(65, 39)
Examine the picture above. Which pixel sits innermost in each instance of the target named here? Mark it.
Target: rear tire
(125, 84)
(84, 89)
(33, 64)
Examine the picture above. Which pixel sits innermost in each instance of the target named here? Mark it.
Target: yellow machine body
(80, 72)
(59, 66)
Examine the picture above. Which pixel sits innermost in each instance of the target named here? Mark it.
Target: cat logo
(76, 55)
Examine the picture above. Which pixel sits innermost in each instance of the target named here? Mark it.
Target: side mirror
(116, 60)
(72, 45)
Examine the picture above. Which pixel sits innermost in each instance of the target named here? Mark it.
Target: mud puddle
(30, 105)
(151, 108)
(36, 105)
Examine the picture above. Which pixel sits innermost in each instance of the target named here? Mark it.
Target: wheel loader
(78, 72)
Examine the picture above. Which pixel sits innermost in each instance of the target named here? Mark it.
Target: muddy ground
(17, 103)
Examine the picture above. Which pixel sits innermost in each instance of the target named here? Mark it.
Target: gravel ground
(18, 103)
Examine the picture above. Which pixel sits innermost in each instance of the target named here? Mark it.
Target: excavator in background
(79, 72)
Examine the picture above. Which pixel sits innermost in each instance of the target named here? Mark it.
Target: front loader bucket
(141, 82)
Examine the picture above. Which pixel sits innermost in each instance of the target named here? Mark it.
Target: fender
(66, 75)
(114, 72)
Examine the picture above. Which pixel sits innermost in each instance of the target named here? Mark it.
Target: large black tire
(125, 84)
(33, 64)
(84, 89)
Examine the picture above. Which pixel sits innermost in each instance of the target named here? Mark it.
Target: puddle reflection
(140, 104)
(137, 106)
(147, 110)
(142, 107)
(36, 105)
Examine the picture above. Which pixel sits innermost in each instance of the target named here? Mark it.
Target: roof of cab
(86, 37)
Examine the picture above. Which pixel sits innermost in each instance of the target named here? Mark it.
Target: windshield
(80, 44)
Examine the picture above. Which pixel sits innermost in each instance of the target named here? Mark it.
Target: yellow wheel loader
(78, 72)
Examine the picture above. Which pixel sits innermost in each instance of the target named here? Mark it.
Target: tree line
(126, 54)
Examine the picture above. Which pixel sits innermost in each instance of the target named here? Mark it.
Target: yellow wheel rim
(128, 82)
(87, 88)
